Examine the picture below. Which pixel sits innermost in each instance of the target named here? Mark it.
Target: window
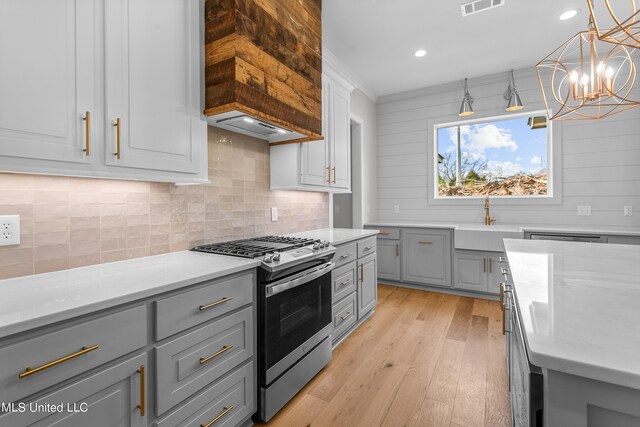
(500, 156)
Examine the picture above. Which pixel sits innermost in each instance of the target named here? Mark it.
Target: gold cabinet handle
(345, 283)
(141, 406)
(224, 412)
(361, 273)
(484, 264)
(334, 174)
(30, 371)
(502, 296)
(329, 173)
(503, 321)
(223, 350)
(397, 249)
(490, 266)
(213, 304)
(87, 133)
(425, 242)
(346, 255)
(117, 126)
(346, 316)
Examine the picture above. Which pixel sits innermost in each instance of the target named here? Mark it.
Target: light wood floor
(423, 359)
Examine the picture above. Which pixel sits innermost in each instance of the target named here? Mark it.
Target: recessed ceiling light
(569, 14)
(419, 53)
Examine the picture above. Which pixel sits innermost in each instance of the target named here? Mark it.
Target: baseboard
(450, 291)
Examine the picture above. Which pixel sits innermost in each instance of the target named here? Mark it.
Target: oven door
(295, 317)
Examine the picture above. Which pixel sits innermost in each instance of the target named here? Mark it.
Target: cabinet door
(389, 259)
(111, 396)
(152, 84)
(368, 285)
(314, 155)
(48, 51)
(426, 257)
(471, 272)
(493, 286)
(340, 137)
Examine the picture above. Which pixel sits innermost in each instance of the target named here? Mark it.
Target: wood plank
(497, 407)
(299, 412)
(433, 414)
(461, 320)
(469, 404)
(444, 382)
(397, 297)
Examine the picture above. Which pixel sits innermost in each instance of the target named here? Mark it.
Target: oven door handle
(278, 287)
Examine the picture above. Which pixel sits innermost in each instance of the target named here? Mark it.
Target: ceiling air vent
(480, 6)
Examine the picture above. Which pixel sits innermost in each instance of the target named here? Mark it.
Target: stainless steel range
(294, 312)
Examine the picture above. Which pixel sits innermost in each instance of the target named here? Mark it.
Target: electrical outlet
(274, 214)
(396, 208)
(584, 210)
(9, 230)
(336, 209)
(628, 210)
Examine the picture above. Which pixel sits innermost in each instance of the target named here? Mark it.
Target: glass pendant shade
(465, 108)
(587, 78)
(621, 17)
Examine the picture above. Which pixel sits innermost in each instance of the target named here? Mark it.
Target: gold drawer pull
(117, 126)
(345, 283)
(397, 249)
(213, 304)
(224, 349)
(368, 248)
(334, 174)
(425, 242)
(87, 136)
(30, 371)
(383, 234)
(346, 316)
(224, 412)
(142, 386)
(346, 255)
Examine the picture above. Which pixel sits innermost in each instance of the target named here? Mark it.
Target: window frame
(554, 162)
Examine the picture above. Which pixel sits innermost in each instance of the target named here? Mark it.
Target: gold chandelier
(622, 16)
(586, 78)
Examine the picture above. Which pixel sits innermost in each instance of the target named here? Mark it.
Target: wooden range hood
(263, 60)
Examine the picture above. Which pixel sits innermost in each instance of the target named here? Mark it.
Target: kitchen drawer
(91, 344)
(180, 312)
(345, 254)
(343, 282)
(367, 246)
(192, 361)
(344, 316)
(388, 233)
(232, 400)
(112, 397)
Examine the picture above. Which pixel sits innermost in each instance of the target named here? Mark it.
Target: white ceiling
(376, 38)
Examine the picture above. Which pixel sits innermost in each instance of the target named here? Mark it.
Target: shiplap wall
(600, 158)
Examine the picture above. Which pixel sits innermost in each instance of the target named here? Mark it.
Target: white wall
(600, 158)
(365, 108)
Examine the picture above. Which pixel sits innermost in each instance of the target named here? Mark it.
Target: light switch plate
(628, 210)
(9, 230)
(274, 214)
(584, 210)
(396, 208)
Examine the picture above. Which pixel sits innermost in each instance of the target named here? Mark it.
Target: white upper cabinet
(319, 165)
(136, 63)
(47, 85)
(152, 84)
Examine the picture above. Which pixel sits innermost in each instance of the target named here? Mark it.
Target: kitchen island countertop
(579, 307)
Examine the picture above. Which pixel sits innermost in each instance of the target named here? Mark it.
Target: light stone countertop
(580, 307)
(582, 229)
(34, 301)
(336, 236)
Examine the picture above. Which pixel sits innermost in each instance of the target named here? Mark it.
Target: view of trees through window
(498, 157)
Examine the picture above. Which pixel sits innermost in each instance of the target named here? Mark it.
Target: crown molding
(335, 66)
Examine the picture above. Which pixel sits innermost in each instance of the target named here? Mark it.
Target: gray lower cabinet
(368, 285)
(354, 291)
(388, 259)
(109, 398)
(477, 271)
(426, 256)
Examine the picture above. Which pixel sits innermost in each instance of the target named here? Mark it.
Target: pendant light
(622, 17)
(512, 96)
(467, 102)
(586, 78)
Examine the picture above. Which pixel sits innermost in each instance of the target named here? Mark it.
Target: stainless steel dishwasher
(568, 238)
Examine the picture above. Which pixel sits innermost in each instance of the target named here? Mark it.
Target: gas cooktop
(275, 252)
